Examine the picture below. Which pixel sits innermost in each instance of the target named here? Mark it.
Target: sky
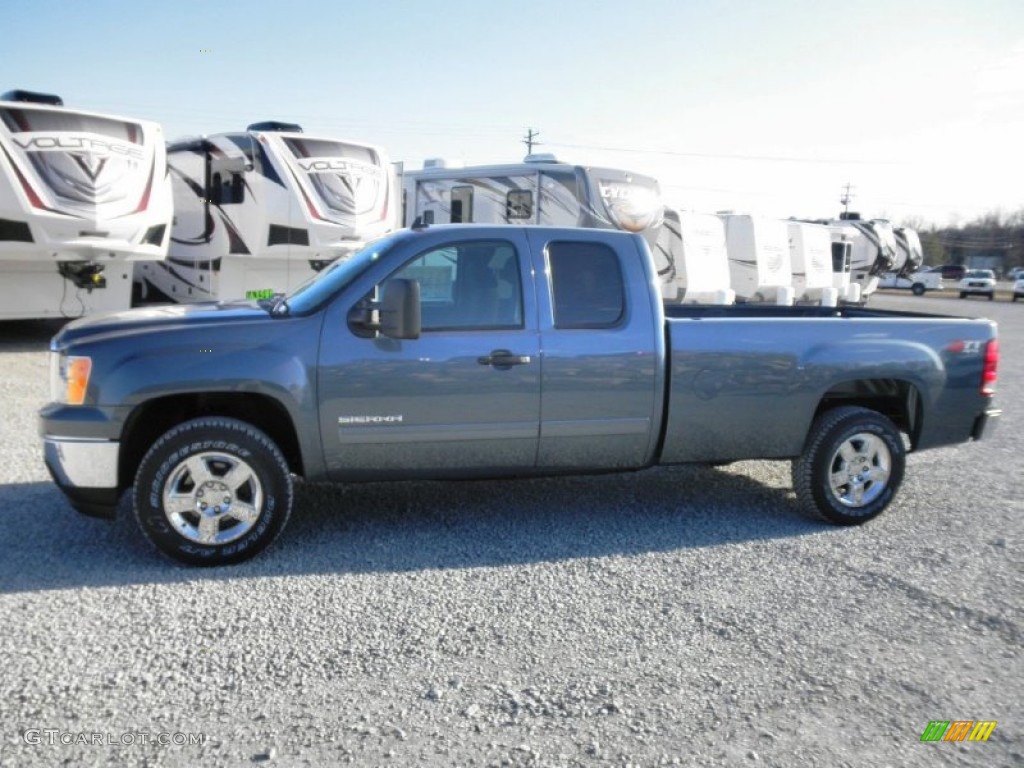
(761, 106)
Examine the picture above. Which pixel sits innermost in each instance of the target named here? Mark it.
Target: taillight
(989, 372)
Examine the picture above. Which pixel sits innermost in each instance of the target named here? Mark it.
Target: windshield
(315, 291)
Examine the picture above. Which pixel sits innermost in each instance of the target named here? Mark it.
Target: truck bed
(746, 381)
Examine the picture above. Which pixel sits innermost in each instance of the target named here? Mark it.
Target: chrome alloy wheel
(860, 470)
(212, 498)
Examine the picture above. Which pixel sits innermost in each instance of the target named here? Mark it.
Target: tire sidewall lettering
(244, 442)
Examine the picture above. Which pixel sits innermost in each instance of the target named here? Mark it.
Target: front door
(464, 398)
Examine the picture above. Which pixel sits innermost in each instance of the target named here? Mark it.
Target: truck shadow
(412, 526)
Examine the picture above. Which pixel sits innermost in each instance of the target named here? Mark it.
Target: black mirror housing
(400, 316)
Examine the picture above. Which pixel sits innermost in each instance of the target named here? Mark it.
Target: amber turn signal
(78, 370)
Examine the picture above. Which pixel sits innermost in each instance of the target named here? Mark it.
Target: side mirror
(400, 315)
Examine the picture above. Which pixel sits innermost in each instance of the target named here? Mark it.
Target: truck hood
(162, 318)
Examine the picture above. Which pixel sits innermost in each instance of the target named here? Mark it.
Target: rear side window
(586, 284)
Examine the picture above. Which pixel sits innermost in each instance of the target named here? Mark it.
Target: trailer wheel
(917, 289)
(851, 467)
(212, 491)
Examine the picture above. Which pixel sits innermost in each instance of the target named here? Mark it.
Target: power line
(765, 158)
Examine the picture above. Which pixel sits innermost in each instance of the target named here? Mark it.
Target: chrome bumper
(82, 463)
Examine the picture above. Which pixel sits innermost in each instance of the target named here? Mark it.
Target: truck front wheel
(851, 467)
(212, 491)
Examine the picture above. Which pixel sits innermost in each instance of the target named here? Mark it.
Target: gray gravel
(681, 616)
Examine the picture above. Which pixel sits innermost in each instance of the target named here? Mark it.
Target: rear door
(603, 344)
(464, 398)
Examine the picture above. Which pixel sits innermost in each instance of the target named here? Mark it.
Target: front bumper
(86, 471)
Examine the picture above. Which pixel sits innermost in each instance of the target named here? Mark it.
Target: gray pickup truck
(479, 352)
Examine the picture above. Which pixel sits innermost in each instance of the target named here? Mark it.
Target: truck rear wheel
(212, 491)
(851, 467)
(918, 289)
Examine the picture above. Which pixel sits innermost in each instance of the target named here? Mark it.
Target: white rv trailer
(760, 268)
(82, 196)
(872, 252)
(540, 190)
(693, 246)
(810, 250)
(259, 211)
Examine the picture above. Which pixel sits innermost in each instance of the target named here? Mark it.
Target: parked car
(980, 282)
(918, 282)
(1018, 287)
(951, 271)
(1015, 274)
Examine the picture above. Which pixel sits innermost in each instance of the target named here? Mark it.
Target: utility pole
(847, 197)
(531, 140)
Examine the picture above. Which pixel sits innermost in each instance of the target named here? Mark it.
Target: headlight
(69, 378)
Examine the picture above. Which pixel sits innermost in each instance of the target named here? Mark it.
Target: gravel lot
(680, 616)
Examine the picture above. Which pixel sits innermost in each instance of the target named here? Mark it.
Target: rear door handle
(503, 358)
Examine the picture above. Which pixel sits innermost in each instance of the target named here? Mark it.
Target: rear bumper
(985, 424)
(86, 472)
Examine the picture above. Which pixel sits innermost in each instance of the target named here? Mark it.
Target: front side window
(467, 286)
(587, 286)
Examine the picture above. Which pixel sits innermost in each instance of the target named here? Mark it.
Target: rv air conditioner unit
(274, 125)
(440, 163)
(540, 157)
(33, 98)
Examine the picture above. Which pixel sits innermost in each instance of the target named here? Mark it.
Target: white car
(918, 282)
(1018, 288)
(980, 282)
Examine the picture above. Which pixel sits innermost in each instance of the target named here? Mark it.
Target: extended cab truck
(484, 351)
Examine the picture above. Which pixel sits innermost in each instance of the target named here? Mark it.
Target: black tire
(249, 510)
(963, 294)
(849, 429)
(917, 289)
(991, 296)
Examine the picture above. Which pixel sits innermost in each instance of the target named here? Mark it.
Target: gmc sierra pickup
(479, 352)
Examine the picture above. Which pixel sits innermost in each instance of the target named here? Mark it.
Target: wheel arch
(897, 399)
(151, 419)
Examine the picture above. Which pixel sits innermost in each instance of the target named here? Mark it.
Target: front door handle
(503, 358)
